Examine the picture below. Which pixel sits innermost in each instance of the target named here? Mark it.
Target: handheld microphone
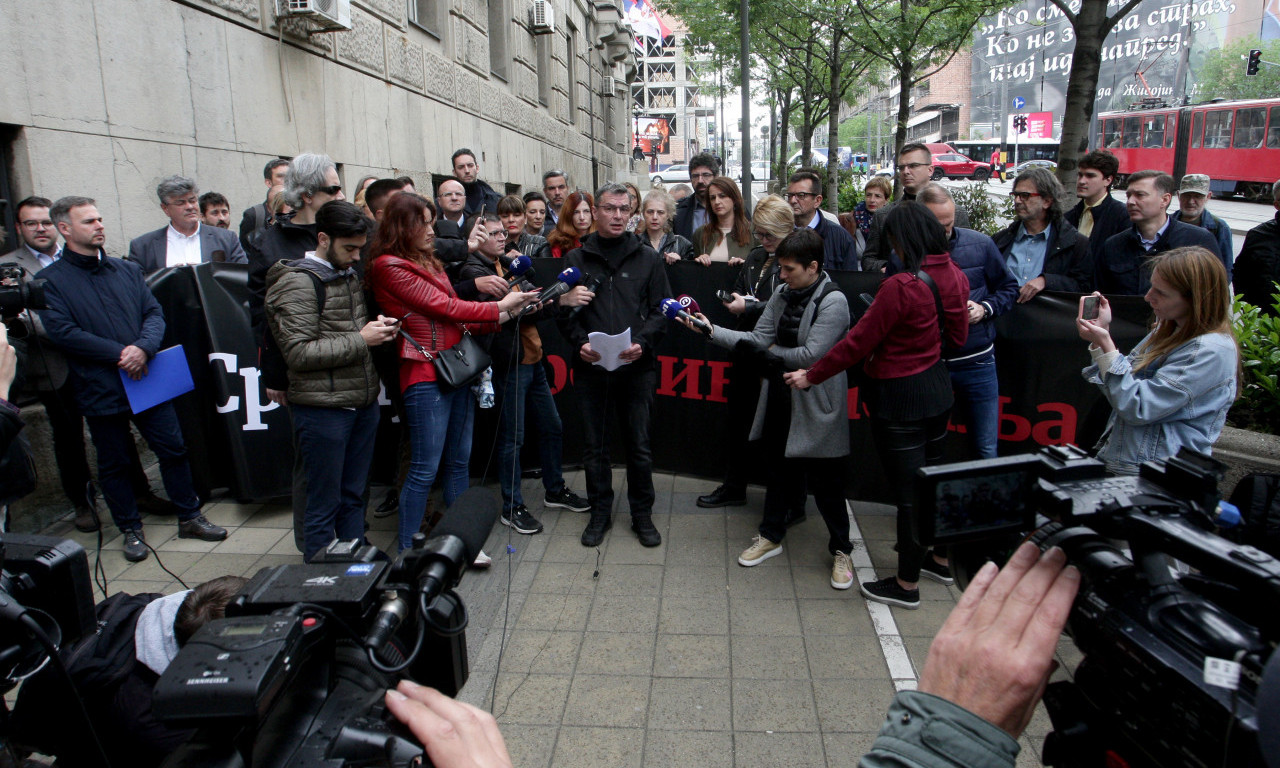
(672, 309)
(591, 283)
(521, 268)
(688, 304)
(564, 281)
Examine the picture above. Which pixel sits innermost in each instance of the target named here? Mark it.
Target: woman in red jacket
(906, 388)
(410, 283)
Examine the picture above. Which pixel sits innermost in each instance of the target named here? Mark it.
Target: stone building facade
(105, 97)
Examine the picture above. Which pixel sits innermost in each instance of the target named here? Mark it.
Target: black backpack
(1257, 496)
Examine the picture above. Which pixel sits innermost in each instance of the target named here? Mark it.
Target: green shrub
(1258, 334)
(851, 185)
(985, 214)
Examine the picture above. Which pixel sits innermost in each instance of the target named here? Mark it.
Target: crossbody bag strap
(937, 300)
(412, 341)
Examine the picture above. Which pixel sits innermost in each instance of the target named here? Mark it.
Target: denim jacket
(1179, 400)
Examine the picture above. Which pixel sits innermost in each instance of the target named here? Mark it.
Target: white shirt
(44, 258)
(813, 223)
(182, 249)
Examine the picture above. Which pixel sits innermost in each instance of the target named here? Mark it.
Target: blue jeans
(978, 395)
(439, 424)
(524, 388)
(337, 448)
(114, 444)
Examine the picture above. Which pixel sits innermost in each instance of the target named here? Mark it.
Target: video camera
(18, 293)
(1175, 655)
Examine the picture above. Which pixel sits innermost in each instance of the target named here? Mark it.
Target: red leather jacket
(430, 310)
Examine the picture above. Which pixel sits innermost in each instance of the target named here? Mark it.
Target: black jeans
(904, 447)
(628, 395)
(159, 426)
(67, 426)
(743, 395)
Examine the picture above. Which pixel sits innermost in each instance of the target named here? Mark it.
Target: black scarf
(792, 312)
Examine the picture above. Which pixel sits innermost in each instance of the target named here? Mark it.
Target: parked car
(670, 174)
(1029, 164)
(951, 166)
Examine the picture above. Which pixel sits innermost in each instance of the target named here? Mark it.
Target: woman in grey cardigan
(805, 435)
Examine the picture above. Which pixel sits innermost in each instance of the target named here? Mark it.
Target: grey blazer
(819, 414)
(46, 368)
(150, 250)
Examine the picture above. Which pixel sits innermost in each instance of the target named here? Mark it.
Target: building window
(543, 43)
(499, 23)
(637, 97)
(571, 35)
(425, 15)
(662, 98)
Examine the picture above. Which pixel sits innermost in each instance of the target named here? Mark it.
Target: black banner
(239, 440)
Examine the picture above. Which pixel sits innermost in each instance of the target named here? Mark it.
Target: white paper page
(609, 347)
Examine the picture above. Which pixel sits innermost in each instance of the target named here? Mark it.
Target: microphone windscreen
(471, 518)
(520, 264)
(688, 304)
(671, 308)
(570, 276)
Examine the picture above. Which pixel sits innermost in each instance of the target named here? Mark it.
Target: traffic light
(1020, 123)
(1255, 61)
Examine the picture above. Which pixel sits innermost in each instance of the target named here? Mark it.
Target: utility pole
(745, 130)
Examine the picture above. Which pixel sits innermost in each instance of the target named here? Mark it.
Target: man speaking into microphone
(632, 285)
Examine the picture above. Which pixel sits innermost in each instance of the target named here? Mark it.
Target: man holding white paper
(633, 283)
(104, 318)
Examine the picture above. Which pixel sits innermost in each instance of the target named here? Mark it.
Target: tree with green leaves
(914, 39)
(1222, 75)
(1090, 26)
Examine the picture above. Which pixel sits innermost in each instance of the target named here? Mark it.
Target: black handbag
(458, 366)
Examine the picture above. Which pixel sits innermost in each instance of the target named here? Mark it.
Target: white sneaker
(842, 572)
(761, 549)
(482, 560)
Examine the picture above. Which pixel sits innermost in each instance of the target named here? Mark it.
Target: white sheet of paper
(609, 347)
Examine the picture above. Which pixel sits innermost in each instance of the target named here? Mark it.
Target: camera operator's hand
(455, 735)
(8, 362)
(994, 654)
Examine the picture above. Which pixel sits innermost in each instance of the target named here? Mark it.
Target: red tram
(1237, 143)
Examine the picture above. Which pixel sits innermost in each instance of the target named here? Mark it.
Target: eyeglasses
(765, 235)
(33, 224)
(703, 175)
(1024, 196)
(914, 166)
(335, 189)
(799, 195)
(613, 210)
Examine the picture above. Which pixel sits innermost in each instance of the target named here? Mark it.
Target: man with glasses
(915, 167)
(1041, 249)
(184, 240)
(692, 212)
(804, 193)
(634, 283)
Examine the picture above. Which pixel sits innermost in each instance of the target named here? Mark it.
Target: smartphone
(1090, 309)
(724, 296)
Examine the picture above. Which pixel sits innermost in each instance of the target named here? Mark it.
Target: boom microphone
(672, 309)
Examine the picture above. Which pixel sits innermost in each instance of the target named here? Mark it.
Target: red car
(952, 165)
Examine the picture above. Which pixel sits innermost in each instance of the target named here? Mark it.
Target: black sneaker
(594, 533)
(566, 499)
(724, 496)
(520, 519)
(648, 535)
(889, 592)
(932, 569)
(390, 504)
(199, 527)
(135, 545)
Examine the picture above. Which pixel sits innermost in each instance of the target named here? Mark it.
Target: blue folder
(167, 377)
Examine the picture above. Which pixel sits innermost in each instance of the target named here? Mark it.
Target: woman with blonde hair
(727, 234)
(576, 221)
(635, 223)
(1173, 390)
(659, 211)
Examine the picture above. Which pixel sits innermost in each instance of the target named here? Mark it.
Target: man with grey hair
(1193, 201)
(555, 185)
(680, 192)
(184, 240)
(311, 181)
(1041, 248)
(632, 304)
(1258, 265)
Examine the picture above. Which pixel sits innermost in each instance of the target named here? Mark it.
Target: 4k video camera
(1176, 632)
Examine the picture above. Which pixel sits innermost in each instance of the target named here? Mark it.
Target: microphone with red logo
(521, 267)
(564, 282)
(680, 309)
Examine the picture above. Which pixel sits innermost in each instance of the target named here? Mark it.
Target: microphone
(688, 304)
(591, 283)
(520, 268)
(672, 309)
(564, 281)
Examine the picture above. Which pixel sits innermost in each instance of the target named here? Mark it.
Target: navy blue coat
(97, 307)
(1109, 218)
(838, 249)
(1120, 265)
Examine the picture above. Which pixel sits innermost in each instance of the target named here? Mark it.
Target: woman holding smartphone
(907, 387)
(1173, 390)
(410, 283)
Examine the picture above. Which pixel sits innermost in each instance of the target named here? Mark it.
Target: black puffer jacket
(281, 241)
(501, 344)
